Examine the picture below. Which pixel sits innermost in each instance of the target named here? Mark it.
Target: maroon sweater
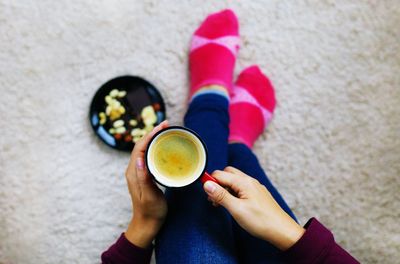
(317, 245)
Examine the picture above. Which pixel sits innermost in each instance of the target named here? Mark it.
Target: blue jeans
(197, 232)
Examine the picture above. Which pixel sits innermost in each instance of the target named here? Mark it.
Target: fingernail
(210, 186)
(139, 163)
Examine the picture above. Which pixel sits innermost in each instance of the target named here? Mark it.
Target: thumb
(219, 195)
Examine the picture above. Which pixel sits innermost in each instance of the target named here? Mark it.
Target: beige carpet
(333, 149)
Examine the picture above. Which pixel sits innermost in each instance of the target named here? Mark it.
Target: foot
(213, 52)
(251, 106)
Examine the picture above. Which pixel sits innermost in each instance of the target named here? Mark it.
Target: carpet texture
(332, 149)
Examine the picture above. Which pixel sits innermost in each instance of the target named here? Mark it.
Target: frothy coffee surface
(176, 155)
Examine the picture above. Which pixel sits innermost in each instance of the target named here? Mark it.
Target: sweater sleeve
(124, 252)
(317, 245)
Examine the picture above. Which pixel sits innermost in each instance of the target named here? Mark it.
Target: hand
(149, 204)
(253, 208)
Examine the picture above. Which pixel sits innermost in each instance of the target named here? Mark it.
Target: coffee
(177, 155)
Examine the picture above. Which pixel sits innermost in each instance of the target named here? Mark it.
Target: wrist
(141, 232)
(291, 234)
(285, 233)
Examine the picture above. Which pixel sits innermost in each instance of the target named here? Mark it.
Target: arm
(150, 206)
(317, 245)
(256, 211)
(123, 251)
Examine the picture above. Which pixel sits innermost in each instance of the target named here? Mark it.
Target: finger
(138, 152)
(233, 181)
(131, 178)
(140, 146)
(210, 200)
(219, 195)
(235, 171)
(144, 180)
(143, 177)
(151, 134)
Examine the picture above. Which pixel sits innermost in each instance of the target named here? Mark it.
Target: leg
(254, 250)
(251, 108)
(195, 231)
(194, 228)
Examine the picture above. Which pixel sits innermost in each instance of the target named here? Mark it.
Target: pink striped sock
(213, 51)
(251, 106)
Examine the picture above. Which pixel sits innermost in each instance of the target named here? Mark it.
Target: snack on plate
(121, 127)
(148, 115)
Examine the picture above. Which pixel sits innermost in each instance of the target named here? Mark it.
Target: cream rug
(333, 148)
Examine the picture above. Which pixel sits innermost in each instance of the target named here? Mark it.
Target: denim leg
(254, 250)
(195, 231)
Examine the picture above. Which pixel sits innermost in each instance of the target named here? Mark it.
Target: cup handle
(207, 177)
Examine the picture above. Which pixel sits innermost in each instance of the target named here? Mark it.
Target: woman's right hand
(253, 207)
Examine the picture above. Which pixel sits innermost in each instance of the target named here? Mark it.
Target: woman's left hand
(148, 201)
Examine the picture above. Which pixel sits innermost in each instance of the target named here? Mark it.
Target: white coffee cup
(182, 169)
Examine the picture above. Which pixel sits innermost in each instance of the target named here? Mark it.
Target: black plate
(139, 94)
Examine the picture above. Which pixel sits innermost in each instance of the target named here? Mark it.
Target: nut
(108, 110)
(121, 94)
(115, 104)
(137, 132)
(120, 130)
(148, 115)
(108, 99)
(136, 139)
(118, 123)
(128, 138)
(114, 93)
(133, 122)
(148, 128)
(156, 107)
(103, 118)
